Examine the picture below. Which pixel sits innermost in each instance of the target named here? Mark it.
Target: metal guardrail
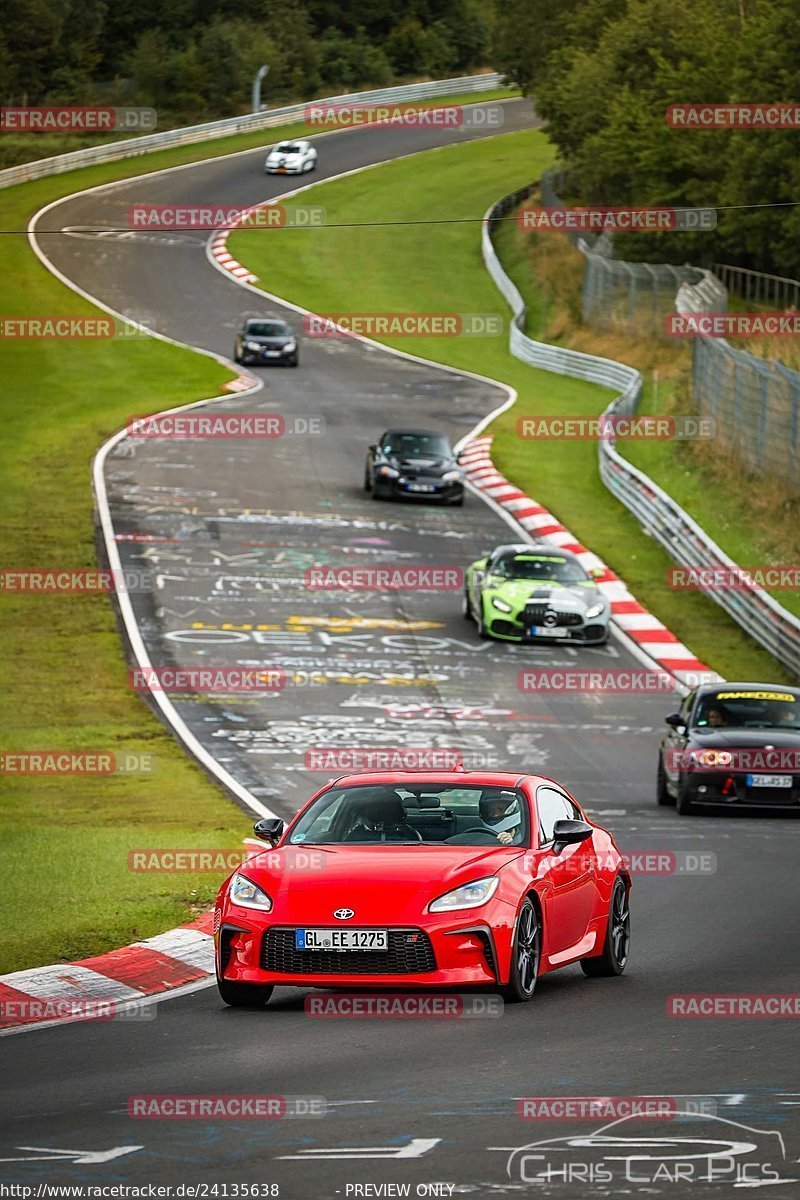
(777, 630)
(774, 290)
(252, 122)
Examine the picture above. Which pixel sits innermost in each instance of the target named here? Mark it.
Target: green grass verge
(438, 267)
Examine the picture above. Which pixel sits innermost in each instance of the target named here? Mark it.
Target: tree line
(603, 73)
(194, 60)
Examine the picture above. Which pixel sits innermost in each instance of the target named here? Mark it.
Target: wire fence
(623, 296)
(755, 402)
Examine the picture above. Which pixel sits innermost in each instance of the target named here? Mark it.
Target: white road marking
(48, 1154)
(414, 1149)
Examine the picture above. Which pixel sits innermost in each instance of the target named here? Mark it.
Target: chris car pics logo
(689, 1147)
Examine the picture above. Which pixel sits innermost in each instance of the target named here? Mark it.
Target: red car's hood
(386, 884)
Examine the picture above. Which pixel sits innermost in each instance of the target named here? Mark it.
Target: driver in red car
(500, 814)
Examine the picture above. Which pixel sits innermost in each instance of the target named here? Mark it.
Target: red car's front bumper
(455, 951)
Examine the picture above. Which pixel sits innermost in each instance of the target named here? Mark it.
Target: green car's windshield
(545, 567)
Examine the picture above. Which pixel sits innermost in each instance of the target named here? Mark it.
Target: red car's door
(570, 894)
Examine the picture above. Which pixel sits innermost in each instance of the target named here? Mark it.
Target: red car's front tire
(525, 954)
(616, 949)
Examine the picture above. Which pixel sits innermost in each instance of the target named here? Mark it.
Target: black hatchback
(732, 745)
(265, 340)
(413, 464)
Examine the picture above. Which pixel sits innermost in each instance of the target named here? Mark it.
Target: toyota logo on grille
(550, 617)
(344, 914)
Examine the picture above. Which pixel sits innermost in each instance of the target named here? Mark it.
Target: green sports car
(531, 592)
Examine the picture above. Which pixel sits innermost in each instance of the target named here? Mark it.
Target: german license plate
(770, 781)
(421, 487)
(272, 353)
(341, 939)
(556, 631)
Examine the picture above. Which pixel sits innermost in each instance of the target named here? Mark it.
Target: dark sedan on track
(732, 745)
(263, 340)
(413, 464)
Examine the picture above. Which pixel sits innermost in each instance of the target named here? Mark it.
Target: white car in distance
(291, 158)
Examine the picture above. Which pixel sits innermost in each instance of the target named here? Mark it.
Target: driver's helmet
(499, 809)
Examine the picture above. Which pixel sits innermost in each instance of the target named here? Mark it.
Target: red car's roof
(465, 778)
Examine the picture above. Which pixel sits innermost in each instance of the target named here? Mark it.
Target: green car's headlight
(596, 609)
(501, 604)
(244, 892)
(471, 895)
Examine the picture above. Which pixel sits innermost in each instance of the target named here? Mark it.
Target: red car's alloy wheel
(525, 955)
(618, 936)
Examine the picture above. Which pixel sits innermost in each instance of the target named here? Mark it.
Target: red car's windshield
(430, 813)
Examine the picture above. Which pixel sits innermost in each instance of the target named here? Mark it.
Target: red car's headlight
(244, 892)
(469, 895)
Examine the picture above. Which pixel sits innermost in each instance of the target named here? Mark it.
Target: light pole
(260, 74)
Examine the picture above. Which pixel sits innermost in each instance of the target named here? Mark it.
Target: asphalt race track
(237, 523)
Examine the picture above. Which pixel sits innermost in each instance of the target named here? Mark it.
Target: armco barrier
(252, 122)
(777, 630)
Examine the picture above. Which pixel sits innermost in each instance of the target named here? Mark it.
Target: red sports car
(409, 880)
